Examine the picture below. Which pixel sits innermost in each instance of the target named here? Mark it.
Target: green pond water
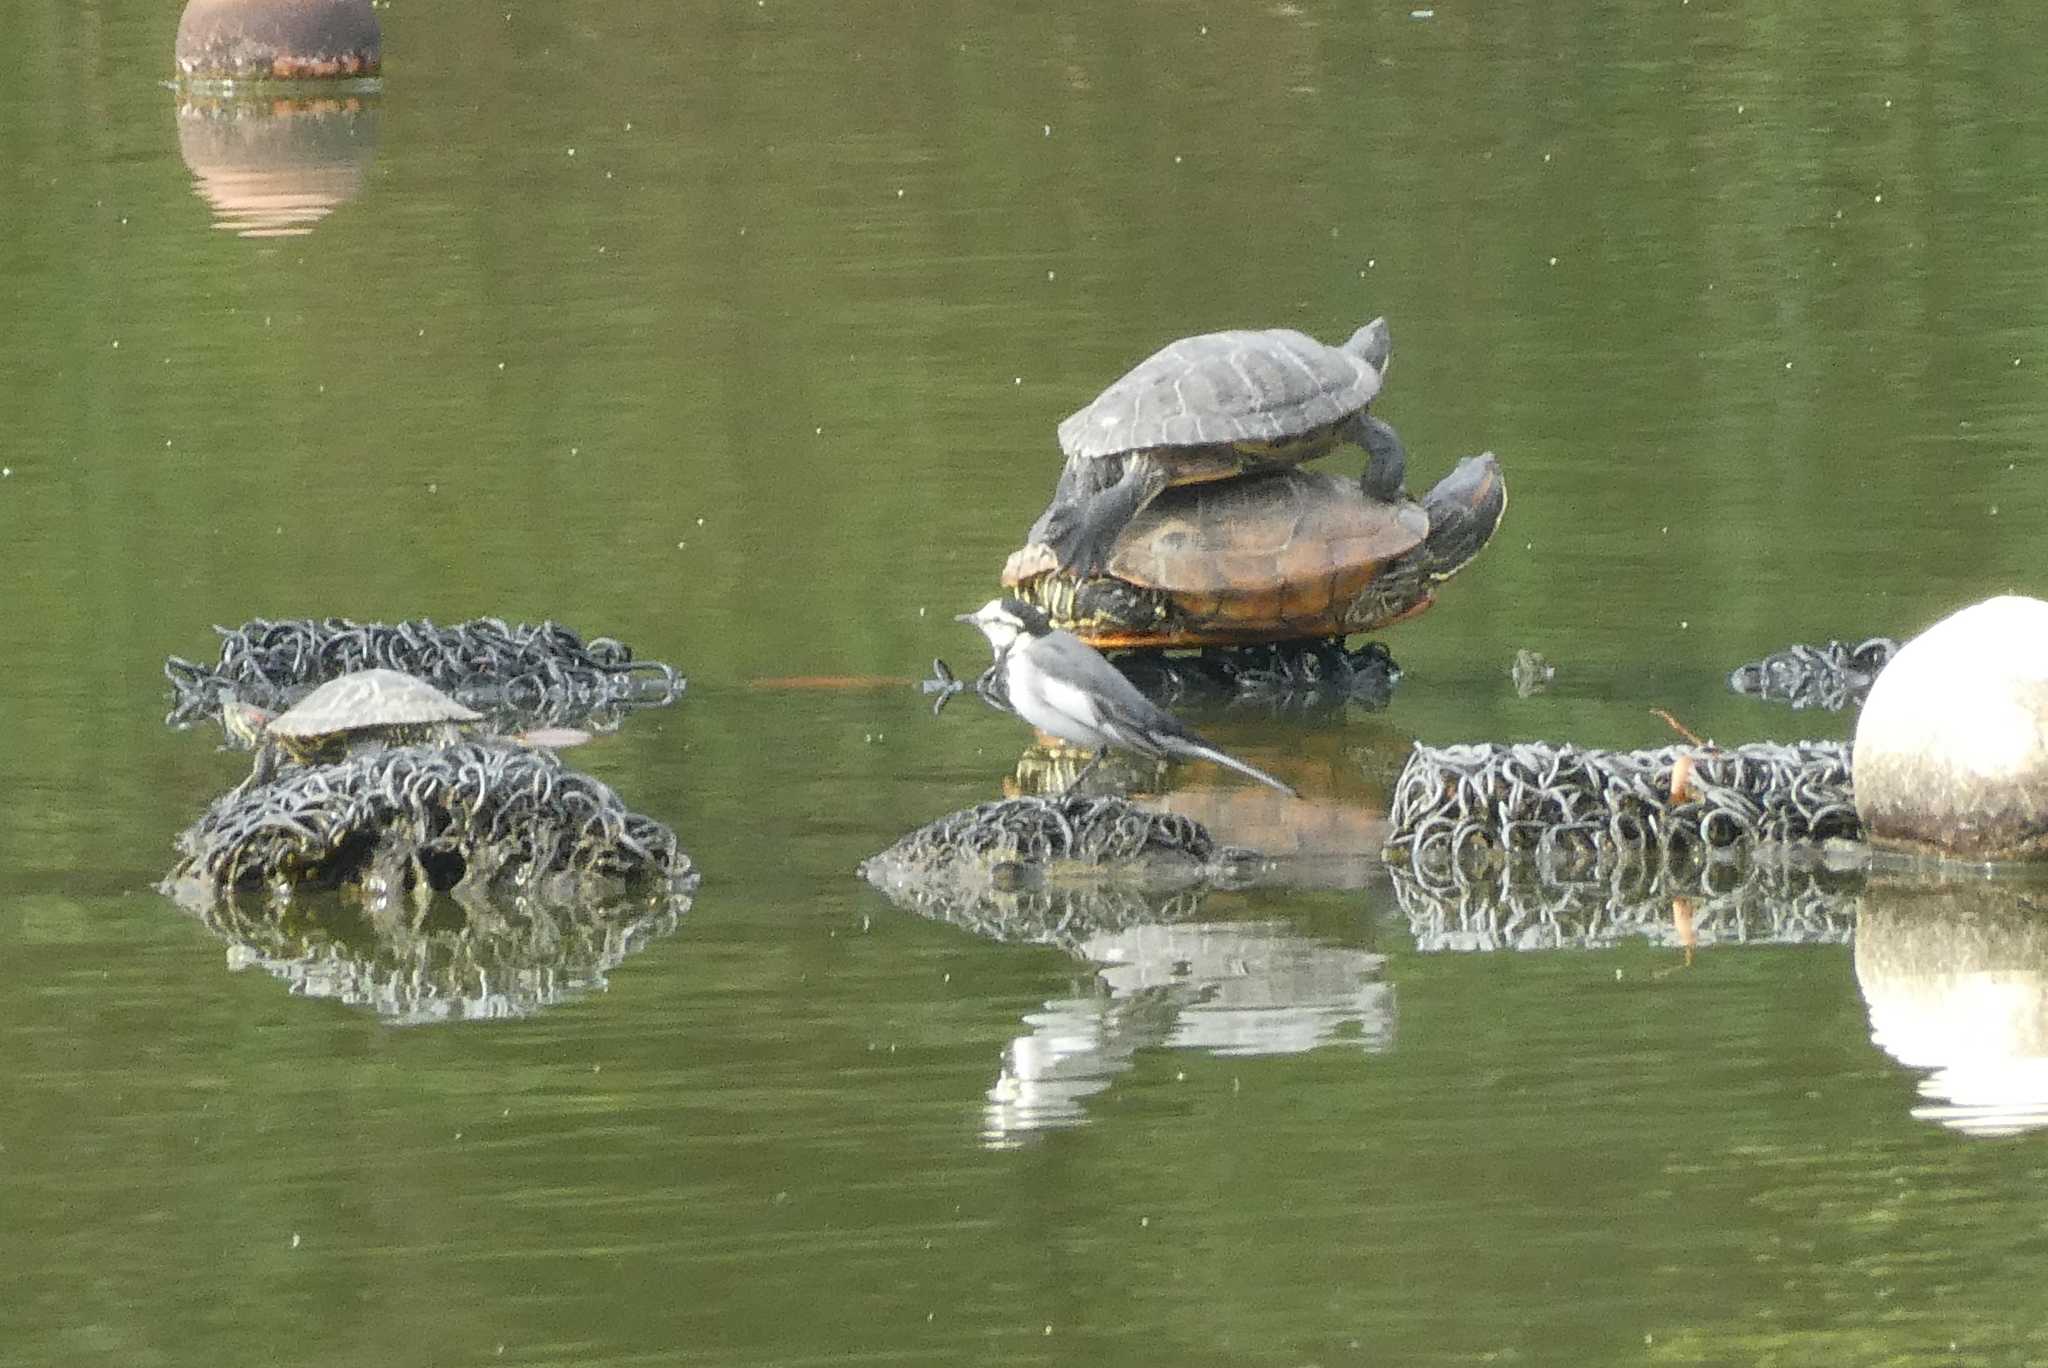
(739, 331)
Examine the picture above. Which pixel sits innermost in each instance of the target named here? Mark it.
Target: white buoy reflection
(1955, 979)
(275, 167)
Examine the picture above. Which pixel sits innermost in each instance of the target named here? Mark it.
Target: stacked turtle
(1183, 518)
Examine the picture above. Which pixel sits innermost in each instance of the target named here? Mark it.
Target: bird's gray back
(1080, 697)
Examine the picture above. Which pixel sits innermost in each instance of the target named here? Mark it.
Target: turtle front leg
(1386, 474)
(1082, 539)
(263, 769)
(1080, 482)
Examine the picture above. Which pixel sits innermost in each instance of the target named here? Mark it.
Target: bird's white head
(1004, 620)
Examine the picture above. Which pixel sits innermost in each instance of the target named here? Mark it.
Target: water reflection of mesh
(1037, 831)
(544, 673)
(1833, 676)
(1460, 810)
(494, 961)
(1720, 902)
(1066, 917)
(464, 816)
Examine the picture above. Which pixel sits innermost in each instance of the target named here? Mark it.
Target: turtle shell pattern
(369, 699)
(1265, 558)
(1224, 389)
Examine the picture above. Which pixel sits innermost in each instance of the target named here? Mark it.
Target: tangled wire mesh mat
(1284, 677)
(1055, 870)
(1087, 829)
(1459, 811)
(469, 816)
(524, 673)
(1833, 676)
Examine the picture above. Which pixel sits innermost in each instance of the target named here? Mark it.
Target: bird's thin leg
(1086, 770)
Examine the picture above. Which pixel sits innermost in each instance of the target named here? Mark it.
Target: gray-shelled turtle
(1208, 408)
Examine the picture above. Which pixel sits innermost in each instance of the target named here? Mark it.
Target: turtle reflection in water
(359, 712)
(1287, 555)
(1209, 408)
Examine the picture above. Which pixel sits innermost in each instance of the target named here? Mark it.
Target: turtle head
(1373, 344)
(244, 722)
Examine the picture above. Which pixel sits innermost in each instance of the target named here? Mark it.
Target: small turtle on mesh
(1208, 408)
(366, 710)
(1290, 555)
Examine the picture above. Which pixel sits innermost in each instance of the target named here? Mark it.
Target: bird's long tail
(1208, 752)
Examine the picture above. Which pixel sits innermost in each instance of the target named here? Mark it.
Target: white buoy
(1951, 754)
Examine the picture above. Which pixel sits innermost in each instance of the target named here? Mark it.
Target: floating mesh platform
(465, 819)
(1018, 834)
(1056, 870)
(1460, 811)
(1833, 676)
(1288, 676)
(521, 675)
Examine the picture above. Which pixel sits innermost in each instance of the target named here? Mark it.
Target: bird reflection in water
(1225, 988)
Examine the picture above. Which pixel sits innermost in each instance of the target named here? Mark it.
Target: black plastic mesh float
(502, 958)
(1056, 870)
(1282, 677)
(398, 825)
(1539, 846)
(1833, 676)
(517, 675)
(1564, 812)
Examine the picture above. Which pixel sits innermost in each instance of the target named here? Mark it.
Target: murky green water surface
(739, 332)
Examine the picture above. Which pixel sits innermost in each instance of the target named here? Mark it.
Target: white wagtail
(1062, 685)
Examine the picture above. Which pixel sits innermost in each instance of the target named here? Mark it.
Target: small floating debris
(1833, 676)
(1460, 811)
(1531, 672)
(518, 675)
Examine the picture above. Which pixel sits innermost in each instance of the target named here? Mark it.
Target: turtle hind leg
(1386, 474)
(1082, 540)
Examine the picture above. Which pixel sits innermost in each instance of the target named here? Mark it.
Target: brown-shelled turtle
(1208, 408)
(1288, 555)
(365, 709)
